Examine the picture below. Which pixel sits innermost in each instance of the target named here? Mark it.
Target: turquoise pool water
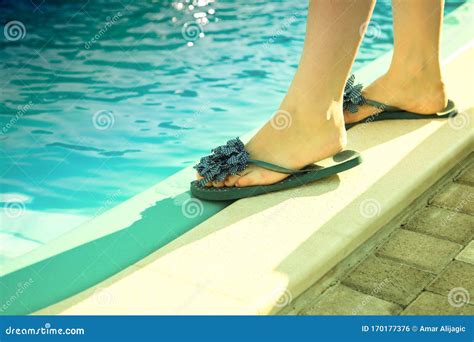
(101, 100)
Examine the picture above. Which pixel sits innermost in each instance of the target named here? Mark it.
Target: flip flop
(353, 98)
(232, 158)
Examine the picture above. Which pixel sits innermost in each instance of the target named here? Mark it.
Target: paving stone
(419, 250)
(443, 223)
(388, 280)
(457, 197)
(457, 278)
(429, 303)
(467, 254)
(467, 176)
(342, 300)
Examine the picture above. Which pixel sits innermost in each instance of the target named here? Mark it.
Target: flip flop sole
(342, 161)
(449, 111)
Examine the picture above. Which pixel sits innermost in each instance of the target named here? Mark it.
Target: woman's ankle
(417, 68)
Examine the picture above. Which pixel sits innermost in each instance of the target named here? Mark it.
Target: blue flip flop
(232, 159)
(353, 99)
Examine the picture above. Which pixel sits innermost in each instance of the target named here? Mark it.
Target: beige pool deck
(258, 254)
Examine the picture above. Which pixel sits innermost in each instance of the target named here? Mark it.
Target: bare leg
(314, 99)
(413, 81)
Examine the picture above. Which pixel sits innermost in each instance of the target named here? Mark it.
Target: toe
(199, 177)
(247, 180)
(217, 184)
(254, 177)
(231, 180)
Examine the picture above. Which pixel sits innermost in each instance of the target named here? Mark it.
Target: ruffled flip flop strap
(231, 159)
(225, 160)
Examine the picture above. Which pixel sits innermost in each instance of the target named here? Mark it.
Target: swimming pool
(100, 100)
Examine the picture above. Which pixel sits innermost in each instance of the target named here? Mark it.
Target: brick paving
(417, 249)
(425, 267)
(428, 303)
(385, 279)
(467, 254)
(430, 221)
(343, 300)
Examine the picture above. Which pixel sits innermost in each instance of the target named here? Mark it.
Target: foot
(297, 135)
(422, 94)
